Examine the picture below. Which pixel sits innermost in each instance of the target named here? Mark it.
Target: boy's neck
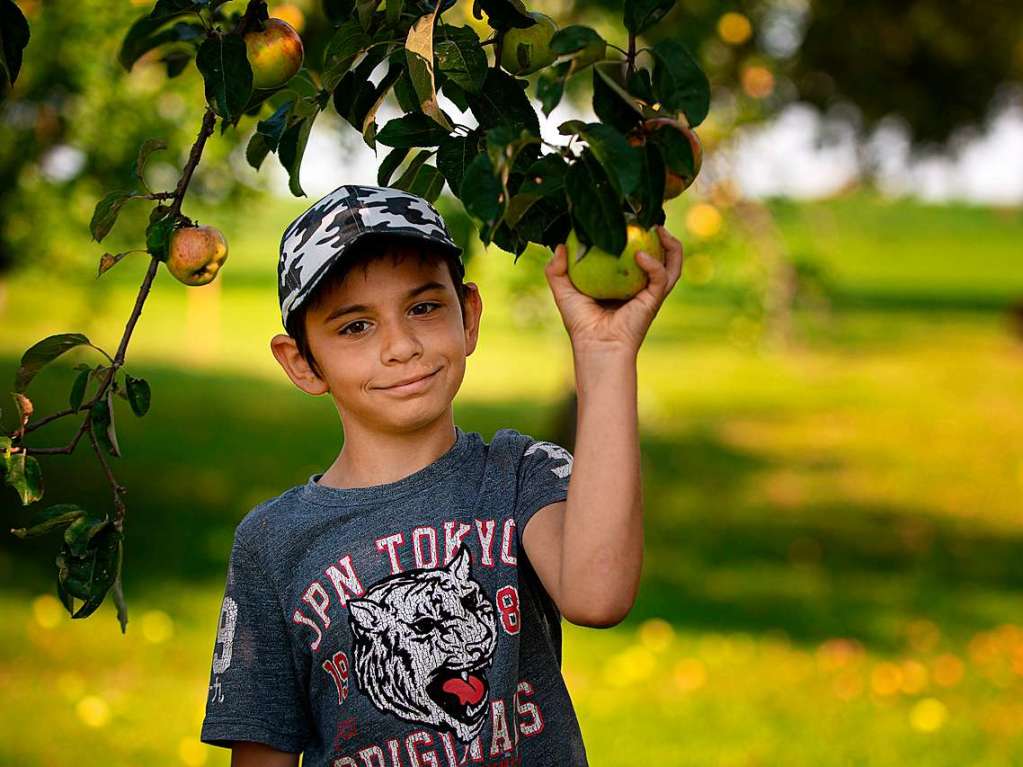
(371, 458)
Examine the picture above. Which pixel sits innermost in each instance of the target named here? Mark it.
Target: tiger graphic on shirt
(423, 640)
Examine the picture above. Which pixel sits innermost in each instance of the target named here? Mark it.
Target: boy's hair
(360, 255)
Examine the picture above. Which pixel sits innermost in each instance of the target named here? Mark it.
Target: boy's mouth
(410, 384)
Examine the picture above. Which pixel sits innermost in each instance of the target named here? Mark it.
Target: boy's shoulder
(258, 523)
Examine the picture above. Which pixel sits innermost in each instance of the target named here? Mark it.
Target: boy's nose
(400, 343)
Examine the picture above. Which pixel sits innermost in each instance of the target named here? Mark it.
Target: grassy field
(834, 530)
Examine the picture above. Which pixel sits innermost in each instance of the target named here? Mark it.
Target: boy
(397, 609)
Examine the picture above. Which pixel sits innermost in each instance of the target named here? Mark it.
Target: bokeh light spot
(93, 710)
(71, 684)
(703, 220)
(291, 14)
(757, 82)
(690, 674)
(886, 679)
(656, 634)
(734, 28)
(157, 626)
(948, 670)
(928, 715)
(47, 610)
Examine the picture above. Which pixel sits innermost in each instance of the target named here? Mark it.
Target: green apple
(527, 50)
(600, 274)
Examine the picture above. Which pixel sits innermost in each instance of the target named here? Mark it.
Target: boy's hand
(594, 328)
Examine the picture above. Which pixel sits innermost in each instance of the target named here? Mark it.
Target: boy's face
(397, 332)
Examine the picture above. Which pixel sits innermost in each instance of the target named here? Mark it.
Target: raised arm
(588, 550)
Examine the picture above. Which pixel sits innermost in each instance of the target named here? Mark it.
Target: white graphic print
(423, 641)
(556, 452)
(225, 636)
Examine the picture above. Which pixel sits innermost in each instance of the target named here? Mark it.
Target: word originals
(425, 749)
(420, 551)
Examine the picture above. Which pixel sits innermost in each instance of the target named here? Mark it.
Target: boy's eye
(345, 330)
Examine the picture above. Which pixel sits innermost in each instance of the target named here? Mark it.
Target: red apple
(275, 53)
(196, 253)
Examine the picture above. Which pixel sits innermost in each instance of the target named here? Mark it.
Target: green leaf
(640, 15)
(424, 181)
(49, 519)
(78, 390)
(138, 394)
(291, 150)
(148, 33)
(676, 150)
(594, 204)
(550, 85)
(456, 93)
(227, 75)
(89, 577)
(14, 37)
(504, 14)
(364, 10)
(546, 176)
(355, 94)
(574, 38)
(105, 214)
(501, 101)
(680, 84)
(547, 221)
(390, 163)
(454, 155)
(481, 192)
(612, 103)
(161, 225)
(81, 531)
(268, 134)
(405, 93)
(393, 11)
(24, 474)
(165, 9)
(348, 41)
(417, 162)
(621, 162)
(419, 53)
(101, 416)
(412, 130)
(148, 147)
(338, 11)
(42, 353)
(460, 57)
(649, 194)
(369, 125)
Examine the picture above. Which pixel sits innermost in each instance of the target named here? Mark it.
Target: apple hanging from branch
(604, 275)
(275, 53)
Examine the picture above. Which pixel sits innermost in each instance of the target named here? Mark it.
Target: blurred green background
(832, 443)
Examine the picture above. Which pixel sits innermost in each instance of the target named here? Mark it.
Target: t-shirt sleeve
(255, 693)
(544, 472)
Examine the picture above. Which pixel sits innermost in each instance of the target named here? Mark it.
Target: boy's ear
(286, 351)
(473, 312)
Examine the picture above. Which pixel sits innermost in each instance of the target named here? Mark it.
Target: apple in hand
(536, 46)
(195, 254)
(275, 53)
(600, 274)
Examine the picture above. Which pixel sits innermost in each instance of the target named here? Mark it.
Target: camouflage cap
(329, 228)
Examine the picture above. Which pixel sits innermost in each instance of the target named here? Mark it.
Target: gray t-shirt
(399, 625)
